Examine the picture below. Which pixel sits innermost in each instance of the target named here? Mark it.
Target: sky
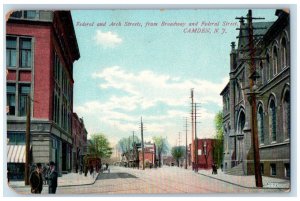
(128, 72)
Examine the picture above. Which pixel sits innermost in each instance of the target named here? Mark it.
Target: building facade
(206, 149)
(272, 89)
(79, 135)
(41, 47)
(149, 155)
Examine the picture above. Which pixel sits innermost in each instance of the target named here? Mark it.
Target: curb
(241, 185)
(12, 186)
(82, 184)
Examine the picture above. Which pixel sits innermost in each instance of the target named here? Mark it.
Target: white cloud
(107, 39)
(120, 114)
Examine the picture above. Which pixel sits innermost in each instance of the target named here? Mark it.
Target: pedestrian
(52, 179)
(36, 179)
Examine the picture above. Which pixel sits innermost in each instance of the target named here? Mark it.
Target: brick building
(273, 102)
(41, 48)
(149, 154)
(79, 135)
(206, 148)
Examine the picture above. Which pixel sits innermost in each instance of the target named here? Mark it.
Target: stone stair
(237, 170)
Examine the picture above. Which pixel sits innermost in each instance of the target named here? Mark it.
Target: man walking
(36, 179)
(52, 178)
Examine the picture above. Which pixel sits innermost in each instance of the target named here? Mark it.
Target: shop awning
(16, 153)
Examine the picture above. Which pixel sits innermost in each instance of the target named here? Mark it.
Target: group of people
(214, 168)
(36, 179)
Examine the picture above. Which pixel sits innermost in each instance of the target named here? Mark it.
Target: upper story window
(283, 52)
(24, 91)
(268, 67)
(26, 14)
(11, 51)
(18, 52)
(272, 120)
(262, 74)
(275, 60)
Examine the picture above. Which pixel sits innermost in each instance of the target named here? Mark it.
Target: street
(166, 180)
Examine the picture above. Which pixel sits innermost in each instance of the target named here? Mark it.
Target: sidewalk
(247, 181)
(70, 179)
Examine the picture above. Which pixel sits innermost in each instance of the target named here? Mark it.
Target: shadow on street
(115, 176)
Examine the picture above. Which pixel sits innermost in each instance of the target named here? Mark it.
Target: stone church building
(272, 89)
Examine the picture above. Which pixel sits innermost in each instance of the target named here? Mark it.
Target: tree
(218, 146)
(161, 147)
(126, 143)
(100, 146)
(177, 153)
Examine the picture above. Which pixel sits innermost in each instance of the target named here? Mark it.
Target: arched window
(272, 120)
(262, 75)
(268, 68)
(275, 60)
(260, 124)
(283, 53)
(286, 115)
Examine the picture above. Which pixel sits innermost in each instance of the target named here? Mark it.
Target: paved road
(167, 180)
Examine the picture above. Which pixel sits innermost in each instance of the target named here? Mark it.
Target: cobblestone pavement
(165, 180)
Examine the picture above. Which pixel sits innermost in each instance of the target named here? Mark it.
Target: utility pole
(186, 149)
(258, 178)
(133, 157)
(179, 139)
(196, 140)
(192, 118)
(27, 153)
(142, 136)
(252, 95)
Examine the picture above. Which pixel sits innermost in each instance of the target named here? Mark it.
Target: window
(283, 53)
(273, 169)
(272, 120)
(205, 148)
(24, 91)
(268, 68)
(11, 51)
(286, 115)
(25, 53)
(11, 98)
(260, 124)
(18, 52)
(262, 77)
(287, 170)
(16, 138)
(275, 60)
(17, 14)
(26, 14)
(199, 152)
(30, 14)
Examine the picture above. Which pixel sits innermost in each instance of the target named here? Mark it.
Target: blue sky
(126, 72)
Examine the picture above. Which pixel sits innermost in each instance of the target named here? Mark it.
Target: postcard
(148, 101)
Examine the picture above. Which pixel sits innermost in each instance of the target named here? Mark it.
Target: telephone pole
(252, 95)
(186, 148)
(192, 118)
(142, 136)
(196, 140)
(27, 153)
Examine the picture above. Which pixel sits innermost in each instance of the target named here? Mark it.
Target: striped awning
(16, 153)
